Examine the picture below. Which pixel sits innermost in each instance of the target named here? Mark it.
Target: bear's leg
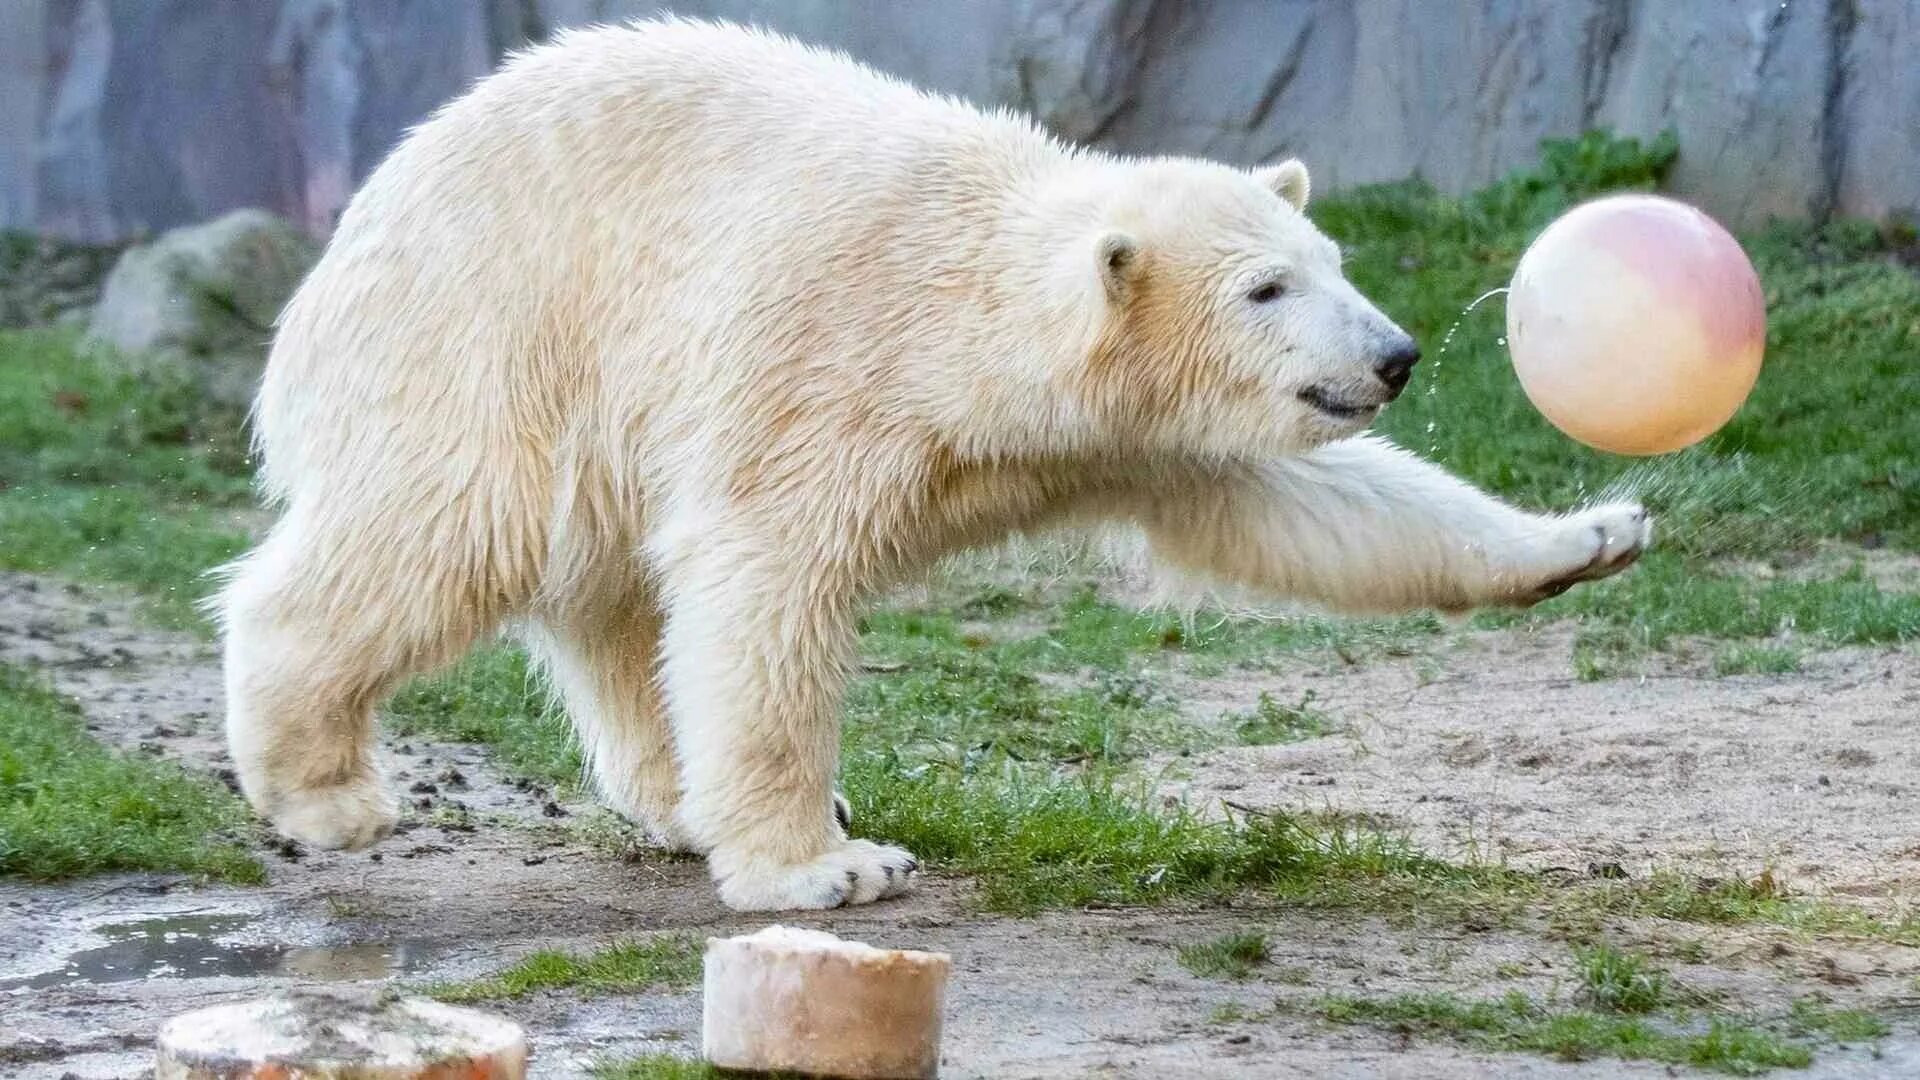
(755, 656)
(1363, 525)
(312, 645)
(605, 666)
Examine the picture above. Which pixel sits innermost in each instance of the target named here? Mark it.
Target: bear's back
(679, 113)
(619, 211)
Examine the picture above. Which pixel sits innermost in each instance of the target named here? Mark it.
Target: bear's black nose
(1395, 366)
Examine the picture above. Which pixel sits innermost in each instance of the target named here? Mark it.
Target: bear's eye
(1266, 292)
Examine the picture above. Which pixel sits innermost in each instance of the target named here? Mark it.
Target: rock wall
(126, 116)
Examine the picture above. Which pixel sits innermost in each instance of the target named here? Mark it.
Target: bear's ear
(1118, 256)
(1287, 180)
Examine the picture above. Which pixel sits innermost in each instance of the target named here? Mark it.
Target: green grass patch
(1086, 632)
(1230, 956)
(1090, 632)
(1756, 658)
(960, 709)
(1615, 981)
(656, 1067)
(109, 478)
(1517, 1023)
(1269, 722)
(670, 961)
(492, 697)
(1668, 599)
(70, 807)
(1730, 901)
(1040, 840)
(1231, 1012)
(1664, 599)
(123, 538)
(669, 1067)
(1811, 1016)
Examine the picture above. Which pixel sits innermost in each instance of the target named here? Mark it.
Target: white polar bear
(669, 345)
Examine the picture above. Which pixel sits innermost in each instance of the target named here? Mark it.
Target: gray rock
(199, 303)
(126, 116)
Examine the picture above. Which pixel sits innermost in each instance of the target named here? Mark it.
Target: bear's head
(1224, 325)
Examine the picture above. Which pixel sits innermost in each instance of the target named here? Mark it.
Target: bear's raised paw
(1594, 544)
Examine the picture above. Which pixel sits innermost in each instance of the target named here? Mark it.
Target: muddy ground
(1489, 747)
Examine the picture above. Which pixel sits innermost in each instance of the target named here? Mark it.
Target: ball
(1636, 324)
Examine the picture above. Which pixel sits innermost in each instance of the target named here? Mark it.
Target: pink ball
(1636, 324)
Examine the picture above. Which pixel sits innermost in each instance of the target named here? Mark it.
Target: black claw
(887, 870)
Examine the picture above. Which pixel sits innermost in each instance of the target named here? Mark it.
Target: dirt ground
(1491, 748)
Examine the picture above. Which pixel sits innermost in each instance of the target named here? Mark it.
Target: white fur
(672, 344)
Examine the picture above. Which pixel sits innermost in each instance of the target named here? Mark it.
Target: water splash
(1482, 298)
(1440, 355)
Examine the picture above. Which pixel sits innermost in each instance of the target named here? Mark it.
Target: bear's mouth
(1332, 406)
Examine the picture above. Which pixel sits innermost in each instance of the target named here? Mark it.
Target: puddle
(200, 946)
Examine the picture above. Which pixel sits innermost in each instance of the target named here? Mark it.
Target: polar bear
(668, 345)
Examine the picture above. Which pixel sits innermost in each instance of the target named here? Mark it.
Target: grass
(1730, 901)
(1090, 632)
(1757, 658)
(656, 1067)
(1038, 841)
(1517, 1023)
(113, 479)
(669, 960)
(1230, 956)
(669, 1067)
(1614, 981)
(1814, 1017)
(70, 807)
(1269, 722)
(1665, 600)
(492, 697)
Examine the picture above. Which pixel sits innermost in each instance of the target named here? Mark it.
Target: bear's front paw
(856, 872)
(346, 816)
(1586, 546)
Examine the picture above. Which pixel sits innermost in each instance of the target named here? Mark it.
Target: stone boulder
(199, 302)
